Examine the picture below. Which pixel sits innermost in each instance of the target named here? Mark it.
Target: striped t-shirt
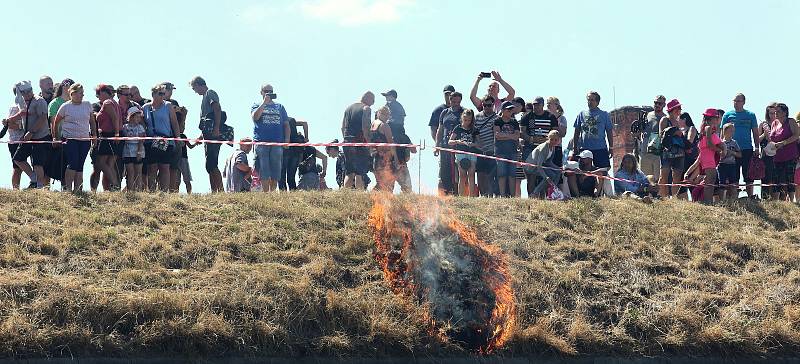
(485, 126)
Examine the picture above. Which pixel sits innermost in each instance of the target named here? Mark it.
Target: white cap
(587, 154)
(133, 110)
(573, 165)
(23, 86)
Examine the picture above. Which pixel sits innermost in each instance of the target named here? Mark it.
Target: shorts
(601, 157)
(743, 163)
(108, 147)
(675, 164)
(506, 169)
(270, 158)
(12, 148)
(132, 160)
(176, 157)
(471, 158)
(38, 153)
(75, 152)
(158, 156)
(356, 160)
(212, 156)
(183, 167)
(728, 174)
(485, 165)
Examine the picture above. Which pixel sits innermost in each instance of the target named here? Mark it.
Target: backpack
(672, 145)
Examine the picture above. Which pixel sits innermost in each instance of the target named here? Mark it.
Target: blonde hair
(726, 127)
(76, 87)
(553, 100)
(382, 110)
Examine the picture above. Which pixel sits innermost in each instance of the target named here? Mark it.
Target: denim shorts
(270, 159)
(506, 169)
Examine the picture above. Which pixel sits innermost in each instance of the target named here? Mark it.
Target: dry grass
(292, 274)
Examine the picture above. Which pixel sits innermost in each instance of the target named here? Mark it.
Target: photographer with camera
(271, 125)
(493, 91)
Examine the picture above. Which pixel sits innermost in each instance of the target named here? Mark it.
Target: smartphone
(273, 96)
(486, 74)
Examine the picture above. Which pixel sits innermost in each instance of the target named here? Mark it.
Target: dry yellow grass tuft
(293, 274)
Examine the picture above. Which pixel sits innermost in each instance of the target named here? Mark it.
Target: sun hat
(586, 154)
(134, 110)
(673, 104)
(711, 113)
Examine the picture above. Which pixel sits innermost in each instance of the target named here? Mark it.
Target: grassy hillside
(293, 274)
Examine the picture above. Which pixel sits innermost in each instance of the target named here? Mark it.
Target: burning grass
(295, 275)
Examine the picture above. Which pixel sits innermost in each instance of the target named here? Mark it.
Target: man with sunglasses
(34, 124)
(485, 167)
(744, 134)
(649, 162)
(493, 91)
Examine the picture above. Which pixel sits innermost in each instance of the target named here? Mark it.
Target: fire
(432, 258)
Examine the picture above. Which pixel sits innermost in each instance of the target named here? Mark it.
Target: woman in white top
(77, 126)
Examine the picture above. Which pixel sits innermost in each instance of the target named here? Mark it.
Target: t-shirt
(403, 153)
(744, 122)
(235, 179)
(593, 125)
(158, 120)
(437, 112)
(14, 134)
(506, 148)
(52, 109)
(650, 130)
(485, 126)
(731, 146)
(638, 178)
(397, 113)
(76, 119)
(562, 122)
(465, 135)
(270, 126)
(707, 157)
(449, 119)
(209, 99)
(131, 148)
(104, 120)
(538, 125)
(36, 109)
(308, 160)
(354, 118)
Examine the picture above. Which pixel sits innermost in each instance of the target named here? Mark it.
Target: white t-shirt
(76, 119)
(14, 135)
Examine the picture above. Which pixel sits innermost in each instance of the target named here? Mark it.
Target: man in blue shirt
(270, 124)
(745, 133)
(592, 129)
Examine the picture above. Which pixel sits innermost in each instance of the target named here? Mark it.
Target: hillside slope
(293, 274)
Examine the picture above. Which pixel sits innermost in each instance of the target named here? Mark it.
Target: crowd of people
(143, 143)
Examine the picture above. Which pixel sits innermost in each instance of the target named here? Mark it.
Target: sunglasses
(161, 94)
(659, 103)
(121, 94)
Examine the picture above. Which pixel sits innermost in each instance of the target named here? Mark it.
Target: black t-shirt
(506, 147)
(538, 125)
(465, 135)
(437, 112)
(308, 160)
(403, 153)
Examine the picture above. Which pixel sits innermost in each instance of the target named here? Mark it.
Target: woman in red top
(108, 125)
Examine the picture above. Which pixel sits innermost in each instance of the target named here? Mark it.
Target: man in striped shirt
(486, 168)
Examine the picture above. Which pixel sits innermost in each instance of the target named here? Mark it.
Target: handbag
(757, 169)
(554, 193)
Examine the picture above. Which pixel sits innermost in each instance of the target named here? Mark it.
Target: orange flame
(394, 245)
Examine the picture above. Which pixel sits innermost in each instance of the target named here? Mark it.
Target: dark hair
(720, 112)
(596, 95)
(519, 101)
(292, 127)
(688, 118)
(782, 107)
(629, 156)
(487, 98)
(766, 112)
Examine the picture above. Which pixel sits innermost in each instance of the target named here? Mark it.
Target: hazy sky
(321, 55)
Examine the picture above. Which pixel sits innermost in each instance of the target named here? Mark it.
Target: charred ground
(294, 274)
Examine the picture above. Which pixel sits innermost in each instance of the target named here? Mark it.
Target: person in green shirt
(61, 96)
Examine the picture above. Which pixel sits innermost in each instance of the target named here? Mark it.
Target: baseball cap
(449, 88)
(507, 105)
(123, 87)
(538, 100)
(168, 85)
(587, 154)
(392, 93)
(134, 110)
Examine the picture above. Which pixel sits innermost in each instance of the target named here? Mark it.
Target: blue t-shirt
(623, 186)
(269, 128)
(593, 125)
(744, 122)
(157, 121)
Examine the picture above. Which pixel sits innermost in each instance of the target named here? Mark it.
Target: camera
(486, 74)
(273, 96)
(638, 125)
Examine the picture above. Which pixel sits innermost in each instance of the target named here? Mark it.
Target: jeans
(270, 159)
(291, 161)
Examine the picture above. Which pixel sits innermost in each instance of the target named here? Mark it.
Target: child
(710, 144)
(727, 170)
(133, 151)
(464, 138)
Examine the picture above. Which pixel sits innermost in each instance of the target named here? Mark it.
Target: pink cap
(672, 104)
(711, 113)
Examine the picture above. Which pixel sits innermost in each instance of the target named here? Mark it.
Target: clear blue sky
(321, 55)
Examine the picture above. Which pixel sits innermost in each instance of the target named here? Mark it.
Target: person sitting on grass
(237, 172)
(582, 184)
(636, 185)
(546, 171)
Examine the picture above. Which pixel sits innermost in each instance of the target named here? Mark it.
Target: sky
(321, 55)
